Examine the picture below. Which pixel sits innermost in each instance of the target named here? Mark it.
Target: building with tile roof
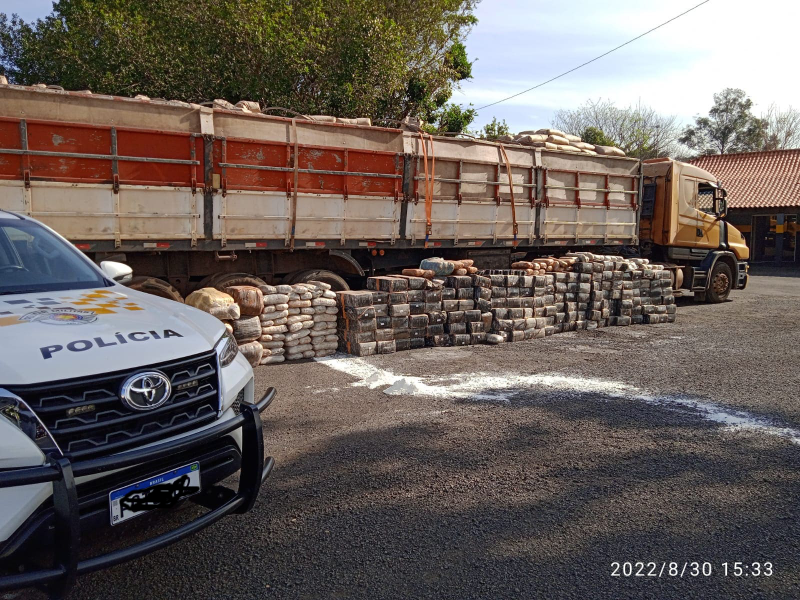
(763, 200)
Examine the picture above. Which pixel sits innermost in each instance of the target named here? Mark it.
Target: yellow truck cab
(683, 225)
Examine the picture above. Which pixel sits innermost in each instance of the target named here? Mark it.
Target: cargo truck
(192, 196)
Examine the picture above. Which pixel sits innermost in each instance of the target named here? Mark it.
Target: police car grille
(87, 418)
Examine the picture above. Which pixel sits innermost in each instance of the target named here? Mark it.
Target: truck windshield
(34, 260)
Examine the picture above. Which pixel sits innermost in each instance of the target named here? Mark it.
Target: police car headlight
(16, 411)
(227, 349)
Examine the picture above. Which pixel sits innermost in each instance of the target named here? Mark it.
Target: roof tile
(757, 179)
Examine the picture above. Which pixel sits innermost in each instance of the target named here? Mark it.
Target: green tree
(595, 135)
(450, 118)
(385, 59)
(729, 127)
(495, 129)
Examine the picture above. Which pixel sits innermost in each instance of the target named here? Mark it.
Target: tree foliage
(451, 118)
(386, 59)
(729, 127)
(595, 135)
(638, 130)
(495, 129)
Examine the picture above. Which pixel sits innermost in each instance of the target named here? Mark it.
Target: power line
(597, 57)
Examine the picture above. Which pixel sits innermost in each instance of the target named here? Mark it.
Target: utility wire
(597, 57)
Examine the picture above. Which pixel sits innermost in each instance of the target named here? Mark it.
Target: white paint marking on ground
(493, 387)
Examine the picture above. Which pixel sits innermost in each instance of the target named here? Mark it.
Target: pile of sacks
(554, 139)
(298, 321)
(272, 324)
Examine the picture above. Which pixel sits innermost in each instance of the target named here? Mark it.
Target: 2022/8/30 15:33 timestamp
(691, 569)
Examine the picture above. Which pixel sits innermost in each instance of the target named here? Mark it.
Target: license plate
(161, 491)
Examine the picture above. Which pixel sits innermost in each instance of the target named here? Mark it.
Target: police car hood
(62, 335)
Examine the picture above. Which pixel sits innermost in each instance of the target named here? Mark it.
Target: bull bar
(60, 577)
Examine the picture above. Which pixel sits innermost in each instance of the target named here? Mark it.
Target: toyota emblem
(146, 391)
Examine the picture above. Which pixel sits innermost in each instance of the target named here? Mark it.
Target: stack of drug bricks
(357, 323)
(392, 304)
(461, 323)
(624, 292)
(456, 321)
(523, 307)
(404, 312)
(534, 299)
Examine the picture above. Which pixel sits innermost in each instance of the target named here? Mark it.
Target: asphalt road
(521, 471)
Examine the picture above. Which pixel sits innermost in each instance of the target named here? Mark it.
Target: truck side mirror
(720, 203)
(119, 272)
(723, 208)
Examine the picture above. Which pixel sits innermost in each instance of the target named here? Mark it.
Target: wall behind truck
(182, 192)
(771, 233)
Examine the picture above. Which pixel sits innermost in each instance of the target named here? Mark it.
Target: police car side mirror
(119, 272)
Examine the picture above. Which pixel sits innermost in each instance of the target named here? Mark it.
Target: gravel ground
(520, 471)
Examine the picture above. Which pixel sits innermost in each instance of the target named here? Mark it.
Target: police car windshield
(34, 260)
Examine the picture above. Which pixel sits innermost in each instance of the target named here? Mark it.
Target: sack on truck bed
(530, 139)
(609, 151)
(548, 131)
(557, 139)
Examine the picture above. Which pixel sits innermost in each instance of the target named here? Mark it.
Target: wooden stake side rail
(221, 171)
(578, 188)
(260, 165)
(77, 153)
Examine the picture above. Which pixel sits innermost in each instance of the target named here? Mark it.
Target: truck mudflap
(743, 275)
(58, 579)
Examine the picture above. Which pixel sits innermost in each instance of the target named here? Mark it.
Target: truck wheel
(155, 286)
(337, 283)
(720, 283)
(225, 280)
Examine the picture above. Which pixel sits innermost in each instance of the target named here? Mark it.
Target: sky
(676, 69)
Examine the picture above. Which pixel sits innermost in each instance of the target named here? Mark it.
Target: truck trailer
(192, 196)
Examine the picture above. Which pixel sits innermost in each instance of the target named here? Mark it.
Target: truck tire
(156, 287)
(337, 283)
(225, 280)
(720, 283)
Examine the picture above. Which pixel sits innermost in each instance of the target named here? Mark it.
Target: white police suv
(113, 404)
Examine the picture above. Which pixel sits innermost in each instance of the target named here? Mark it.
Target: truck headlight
(227, 349)
(16, 411)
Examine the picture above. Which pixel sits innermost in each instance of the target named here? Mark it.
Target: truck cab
(682, 223)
